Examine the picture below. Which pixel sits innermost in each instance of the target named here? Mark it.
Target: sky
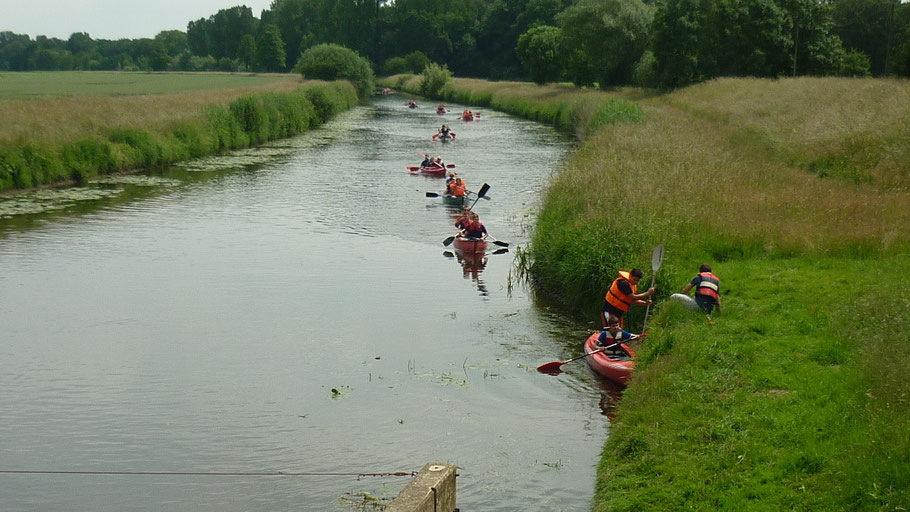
(110, 19)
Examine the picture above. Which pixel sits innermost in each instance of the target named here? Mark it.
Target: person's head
(458, 181)
(635, 275)
(704, 268)
(613, 323)
(452, 174)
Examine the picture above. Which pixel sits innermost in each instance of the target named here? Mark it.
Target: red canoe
(470, 245)
(429, 171)
(617, 370)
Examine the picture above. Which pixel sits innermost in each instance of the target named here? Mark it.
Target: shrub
(334, 62)
(395, 66)
(416, 61)
(434, 79)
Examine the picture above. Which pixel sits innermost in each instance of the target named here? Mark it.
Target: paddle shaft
(657, 258)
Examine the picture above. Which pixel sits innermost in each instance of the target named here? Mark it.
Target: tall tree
(613, 33)
(270, 54)
(867, 26)
(246, 52)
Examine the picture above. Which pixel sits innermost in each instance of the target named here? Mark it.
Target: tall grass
(689, 181)
(82, 136)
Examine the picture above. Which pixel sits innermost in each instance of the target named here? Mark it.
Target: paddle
(553, 367)
(448, 241)
(657, 257)
(500, 251)
(497, 242)
(481, 193)
(432, 194)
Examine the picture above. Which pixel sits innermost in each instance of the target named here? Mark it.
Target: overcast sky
(110, 19)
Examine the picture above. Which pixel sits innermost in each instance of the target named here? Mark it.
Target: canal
(291, 308)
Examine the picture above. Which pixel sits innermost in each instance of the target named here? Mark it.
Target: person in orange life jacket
(622, 294)
(707, 291)
(613, 333)
(458, 188)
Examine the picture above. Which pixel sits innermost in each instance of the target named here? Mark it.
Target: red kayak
(617, 370)
(470, 245)
(429, 171)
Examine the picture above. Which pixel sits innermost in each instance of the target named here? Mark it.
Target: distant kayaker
(411, 104)
(707, 291)
(444, 131)
(613, 333)
(427, 161)
(624, 293)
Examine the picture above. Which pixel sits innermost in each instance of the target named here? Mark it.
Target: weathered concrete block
(432, 490)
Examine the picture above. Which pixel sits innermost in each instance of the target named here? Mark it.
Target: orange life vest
(709, 285)
(458, 190)
(618, 299)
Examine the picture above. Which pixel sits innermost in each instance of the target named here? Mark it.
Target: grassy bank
(796, 190)
(54, 139)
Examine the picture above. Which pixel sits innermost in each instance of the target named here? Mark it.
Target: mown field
(61, 127)
(797, 191)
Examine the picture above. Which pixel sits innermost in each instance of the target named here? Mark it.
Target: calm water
(291, 309)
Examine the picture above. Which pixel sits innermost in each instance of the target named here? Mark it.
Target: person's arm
(639, 297)
(685, 290)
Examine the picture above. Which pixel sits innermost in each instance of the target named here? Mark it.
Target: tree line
(665, 43)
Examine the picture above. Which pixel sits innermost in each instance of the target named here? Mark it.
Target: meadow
(796, 191)
(62, 127)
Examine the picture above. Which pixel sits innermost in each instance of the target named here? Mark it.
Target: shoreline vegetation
(56, 139)
(797, 191)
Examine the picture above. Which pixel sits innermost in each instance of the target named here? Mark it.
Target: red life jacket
(617, 298)
(709, 285)
(474, 229)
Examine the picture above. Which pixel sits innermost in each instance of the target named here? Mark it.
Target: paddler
(707, 291)
(612, 334)
(623, 293)
(458, 188)
(473, 228)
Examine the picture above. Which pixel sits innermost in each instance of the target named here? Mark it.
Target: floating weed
(364, 501)
(137, 180)
(340, 393)
(43, 201)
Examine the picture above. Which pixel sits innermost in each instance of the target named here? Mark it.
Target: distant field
(113, 83)
(56, 107)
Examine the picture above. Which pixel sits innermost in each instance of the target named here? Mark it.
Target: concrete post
(432, 490)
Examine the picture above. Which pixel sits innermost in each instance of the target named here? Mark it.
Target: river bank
(796, 191)
(68, 139)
